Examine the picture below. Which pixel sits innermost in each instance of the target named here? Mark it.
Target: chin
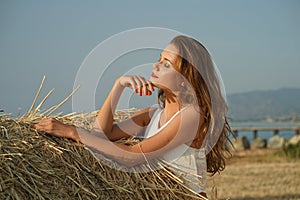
(159, 86)
(153, 80)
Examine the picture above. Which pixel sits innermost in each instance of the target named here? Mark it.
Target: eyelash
(165, 63)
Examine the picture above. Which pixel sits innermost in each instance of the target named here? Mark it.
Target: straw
(39, 166)
(36, 96)
(64, 101)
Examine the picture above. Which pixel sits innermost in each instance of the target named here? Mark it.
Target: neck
(172, 104)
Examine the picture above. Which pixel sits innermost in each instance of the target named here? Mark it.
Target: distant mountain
(281, 104)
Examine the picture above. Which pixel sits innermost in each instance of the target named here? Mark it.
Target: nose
(156, 66)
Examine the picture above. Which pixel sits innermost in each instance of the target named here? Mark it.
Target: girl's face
(164, 75)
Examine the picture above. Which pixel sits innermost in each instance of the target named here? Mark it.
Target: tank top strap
(153, 127)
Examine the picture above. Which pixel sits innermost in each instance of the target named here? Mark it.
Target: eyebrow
(167, 59)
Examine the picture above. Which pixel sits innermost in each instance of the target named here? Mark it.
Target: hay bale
(38, 166)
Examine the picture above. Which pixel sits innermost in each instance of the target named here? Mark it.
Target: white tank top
(189, 163)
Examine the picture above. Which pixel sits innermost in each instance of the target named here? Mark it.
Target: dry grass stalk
(38, 166)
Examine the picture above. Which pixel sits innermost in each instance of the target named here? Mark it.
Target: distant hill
(279, 105)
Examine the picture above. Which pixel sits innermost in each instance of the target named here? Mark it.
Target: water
(264, 134)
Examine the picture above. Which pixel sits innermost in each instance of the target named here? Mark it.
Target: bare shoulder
(191, 111)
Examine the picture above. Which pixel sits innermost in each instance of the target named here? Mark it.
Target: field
(257, 174)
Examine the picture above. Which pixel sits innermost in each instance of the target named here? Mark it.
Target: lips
(153, 75)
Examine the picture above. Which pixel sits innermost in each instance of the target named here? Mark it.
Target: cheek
(171, 76)
(167, 80)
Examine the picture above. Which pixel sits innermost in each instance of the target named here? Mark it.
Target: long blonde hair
(196, 66)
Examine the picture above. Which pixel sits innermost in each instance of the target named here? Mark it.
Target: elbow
(132, 159)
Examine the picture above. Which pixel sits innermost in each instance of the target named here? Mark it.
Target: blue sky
(255, 44)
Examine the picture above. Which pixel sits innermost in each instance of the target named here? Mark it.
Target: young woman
(189, 127)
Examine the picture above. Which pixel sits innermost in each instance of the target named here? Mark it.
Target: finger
(44, 121)
(39, 127)
(139, 84)
(134, 83)
(148, 88)
(45, 125)
(145, 90)
(47, 121)
(127, 81)
(140, 91)
(150, 85)
(144, 85)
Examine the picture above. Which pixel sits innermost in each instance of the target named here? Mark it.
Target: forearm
(106, 113)
(127, 155)
(123, 154)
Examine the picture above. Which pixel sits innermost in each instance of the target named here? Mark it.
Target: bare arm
(105, 127)
(179, 131)
(105, 116)
(133, 126)
(182, 129)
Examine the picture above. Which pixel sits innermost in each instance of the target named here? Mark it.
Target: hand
(56, 128)
(138, 83)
